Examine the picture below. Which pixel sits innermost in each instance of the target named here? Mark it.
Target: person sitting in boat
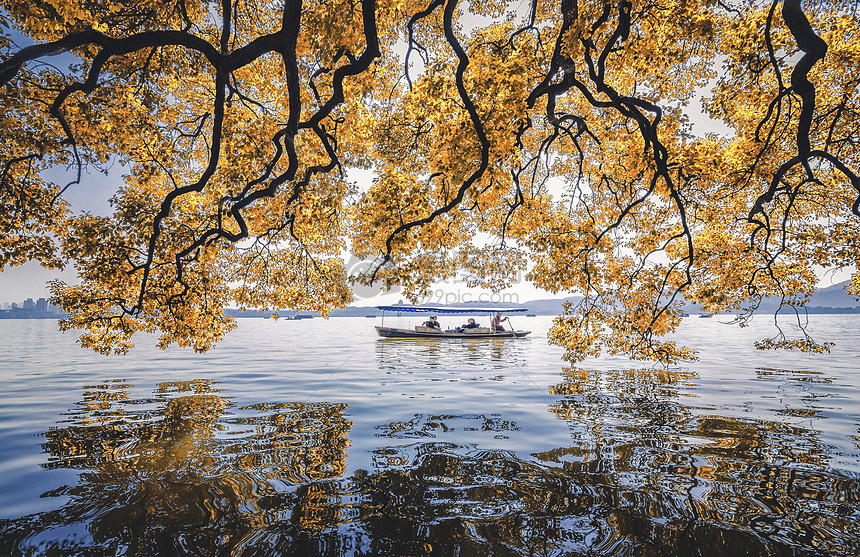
(433, 323)
(496, 325)
(470, 325)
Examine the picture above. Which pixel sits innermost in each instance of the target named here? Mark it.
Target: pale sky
(92, 194)
(30, 280)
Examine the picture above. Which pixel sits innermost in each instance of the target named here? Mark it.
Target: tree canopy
(548, 135)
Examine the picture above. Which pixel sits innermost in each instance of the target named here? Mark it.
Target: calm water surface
(316, 437)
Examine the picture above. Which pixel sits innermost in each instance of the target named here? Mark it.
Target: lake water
(315, 437)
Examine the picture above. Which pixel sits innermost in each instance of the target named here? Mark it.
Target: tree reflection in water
(687, 482)
(185, 472)
(179, 473)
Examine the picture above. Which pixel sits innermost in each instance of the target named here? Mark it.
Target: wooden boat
(420, 331)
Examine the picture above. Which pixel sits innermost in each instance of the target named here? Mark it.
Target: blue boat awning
(444, 309)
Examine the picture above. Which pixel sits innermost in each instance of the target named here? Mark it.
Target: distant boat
(531, 315)
(421, 331)
(370, 316)
(685, 314)
(705, 315)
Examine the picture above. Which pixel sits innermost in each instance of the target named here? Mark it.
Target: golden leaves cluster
(498, 140)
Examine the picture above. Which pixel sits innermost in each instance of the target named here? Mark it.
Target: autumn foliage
(551, 136)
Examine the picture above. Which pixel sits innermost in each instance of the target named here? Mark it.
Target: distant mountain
(832, 299)
(550, 306)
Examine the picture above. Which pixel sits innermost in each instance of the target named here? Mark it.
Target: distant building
(39, 309)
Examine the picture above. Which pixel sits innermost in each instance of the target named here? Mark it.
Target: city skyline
(29, 308)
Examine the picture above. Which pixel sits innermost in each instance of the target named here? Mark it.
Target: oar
(513, 330)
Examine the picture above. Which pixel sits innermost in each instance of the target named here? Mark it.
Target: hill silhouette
(832, 299)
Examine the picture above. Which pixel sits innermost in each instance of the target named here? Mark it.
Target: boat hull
(392, 332)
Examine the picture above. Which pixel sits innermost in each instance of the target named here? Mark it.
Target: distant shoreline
(373, 312)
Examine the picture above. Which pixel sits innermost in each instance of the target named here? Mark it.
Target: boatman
(432, 323)
(497, 322)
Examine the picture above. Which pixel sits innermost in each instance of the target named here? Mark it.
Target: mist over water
(316, 437)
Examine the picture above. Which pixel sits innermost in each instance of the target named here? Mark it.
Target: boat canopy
(443, 309)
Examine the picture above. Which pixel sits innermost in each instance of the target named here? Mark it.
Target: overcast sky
(92, 194)
(30, 280)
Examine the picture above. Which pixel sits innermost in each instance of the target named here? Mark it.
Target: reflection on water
(180, 472)
(187, 472)
(751, 482)
(188, 427)
(430, 353)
